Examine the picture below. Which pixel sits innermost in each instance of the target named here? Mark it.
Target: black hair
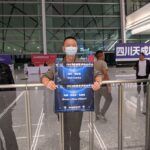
(98, 52)
(70, 37)
(141, 53)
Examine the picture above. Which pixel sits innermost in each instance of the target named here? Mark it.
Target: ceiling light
(141, 29)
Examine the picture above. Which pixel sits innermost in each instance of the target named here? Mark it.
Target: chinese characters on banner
(40, 59)
(131, 51)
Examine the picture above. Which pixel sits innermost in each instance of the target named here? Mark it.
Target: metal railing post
(147, 137)
(62, 131)
(120, 116)
(91, 129)
(28, 118)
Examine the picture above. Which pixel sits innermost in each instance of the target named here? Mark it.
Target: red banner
(41, 59)
(91, 58)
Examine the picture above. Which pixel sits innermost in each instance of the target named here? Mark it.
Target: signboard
(91, 58)
(40, 59)
(73, 98)
(74, 91)
(74, 73)
(6, 59)
(131, 51)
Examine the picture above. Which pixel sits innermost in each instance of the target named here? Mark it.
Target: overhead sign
(131, 51)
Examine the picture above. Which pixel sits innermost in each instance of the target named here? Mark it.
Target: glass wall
(20, 26)
(96, 24)
(132, 6)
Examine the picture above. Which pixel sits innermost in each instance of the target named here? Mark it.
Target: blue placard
(6, 59)
(131, 51)
(74, 73)
(74, 98)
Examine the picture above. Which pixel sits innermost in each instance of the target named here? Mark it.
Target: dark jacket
(7, 95)
(147, 67)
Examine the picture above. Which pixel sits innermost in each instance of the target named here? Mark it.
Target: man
(72, 120)
(6, 98)
(142, 68)
(105, 90)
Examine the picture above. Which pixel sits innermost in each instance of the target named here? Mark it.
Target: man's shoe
(102, 117)
(97, 117)
(144, 113)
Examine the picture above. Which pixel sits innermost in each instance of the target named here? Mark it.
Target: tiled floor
(46, 128)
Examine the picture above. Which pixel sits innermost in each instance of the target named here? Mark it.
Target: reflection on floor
(46, 127)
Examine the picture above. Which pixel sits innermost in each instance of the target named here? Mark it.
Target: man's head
(141, 56)
(100, 55)
(70, 46)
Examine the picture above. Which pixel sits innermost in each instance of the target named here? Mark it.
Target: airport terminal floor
(46, 126)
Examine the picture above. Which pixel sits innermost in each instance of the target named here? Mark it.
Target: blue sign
(74, 73)
(6, 59)
(131, 51)
(73, 98)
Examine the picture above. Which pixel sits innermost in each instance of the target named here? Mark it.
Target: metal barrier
(91, 137)
(27, 107)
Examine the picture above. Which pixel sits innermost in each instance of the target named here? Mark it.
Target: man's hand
(96, 86)
(49, 83)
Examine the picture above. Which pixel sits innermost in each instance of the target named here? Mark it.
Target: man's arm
(47, 79)
(11, 91)
(135, 66)
(10, 76)
(105, 72)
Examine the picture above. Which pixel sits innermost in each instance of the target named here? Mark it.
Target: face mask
(71, 50)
